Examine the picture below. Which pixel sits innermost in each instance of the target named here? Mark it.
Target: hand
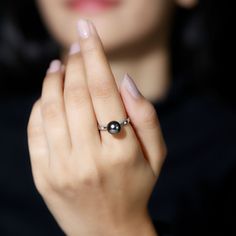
(94, 182)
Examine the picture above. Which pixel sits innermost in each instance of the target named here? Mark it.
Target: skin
(141, 51)
(95, 183)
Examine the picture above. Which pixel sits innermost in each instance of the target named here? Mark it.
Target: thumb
(145, 122)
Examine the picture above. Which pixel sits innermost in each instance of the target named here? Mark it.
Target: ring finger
(80, 114)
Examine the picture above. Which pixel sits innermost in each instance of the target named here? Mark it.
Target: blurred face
(119, 22)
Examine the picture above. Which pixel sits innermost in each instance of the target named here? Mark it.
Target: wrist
(136, 227)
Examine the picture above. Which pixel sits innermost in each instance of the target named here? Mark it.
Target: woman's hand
(94, 182)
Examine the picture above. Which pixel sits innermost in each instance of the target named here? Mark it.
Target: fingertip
(75, 48)
(129, 85)
(55, 66)
(131, 95)
(138, 107)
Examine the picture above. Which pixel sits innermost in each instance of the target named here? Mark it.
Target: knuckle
(34, 130)
(69, 184)
(101, 89)
(62, 183)
(65, 185)
(42, 185)
(120, 162)
(76, 95)
(125, 158)
(51, 110)
(90, 179)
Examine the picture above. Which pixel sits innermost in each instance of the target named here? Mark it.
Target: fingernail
(131, 86)
(54, 66)
(83, 28)
(75, 48)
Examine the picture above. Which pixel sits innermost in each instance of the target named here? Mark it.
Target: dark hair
(26, 47)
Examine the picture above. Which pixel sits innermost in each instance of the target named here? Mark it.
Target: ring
(114, 127)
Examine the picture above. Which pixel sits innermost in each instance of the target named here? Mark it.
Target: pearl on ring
(114, 127)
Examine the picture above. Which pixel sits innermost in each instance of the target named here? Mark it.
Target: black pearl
(113, 127)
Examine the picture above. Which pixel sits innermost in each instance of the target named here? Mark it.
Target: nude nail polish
(84, 28)
(131, 86)
(54, 66)
(75, 48)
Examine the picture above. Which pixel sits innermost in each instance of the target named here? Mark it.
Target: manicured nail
(75, 48)
(83, 28)
(54, 66)
(130, 86)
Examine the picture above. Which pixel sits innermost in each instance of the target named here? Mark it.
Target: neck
(149, 67)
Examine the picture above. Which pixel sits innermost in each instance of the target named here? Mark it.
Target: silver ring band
(114, 127)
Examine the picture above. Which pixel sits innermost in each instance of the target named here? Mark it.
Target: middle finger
(105, 96)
